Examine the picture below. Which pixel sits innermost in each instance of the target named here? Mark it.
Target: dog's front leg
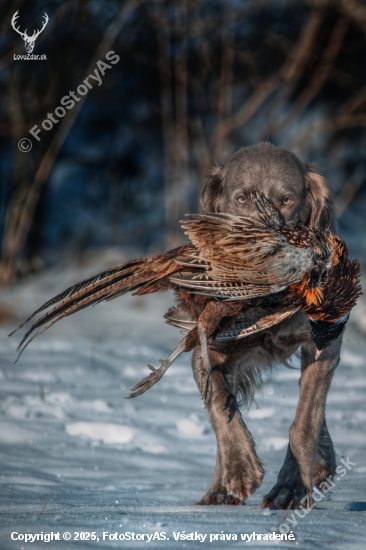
(238, 470)
(308, 431)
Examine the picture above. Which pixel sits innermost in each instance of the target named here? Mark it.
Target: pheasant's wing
(267, 321)
(243, 249)
(248, 323)
(142, 276)
(226, 289)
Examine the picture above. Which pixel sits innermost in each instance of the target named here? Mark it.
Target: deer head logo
(29, 40)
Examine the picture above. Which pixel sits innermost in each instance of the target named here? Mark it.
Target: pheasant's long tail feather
(95, 280)
(107, 285)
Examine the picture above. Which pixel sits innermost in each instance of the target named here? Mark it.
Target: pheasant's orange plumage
(311, 295)
(231, 263)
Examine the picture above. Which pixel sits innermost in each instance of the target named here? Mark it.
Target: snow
(189, 428)
(108, 464)
(275, 443)
(111, 434)
(261, 413)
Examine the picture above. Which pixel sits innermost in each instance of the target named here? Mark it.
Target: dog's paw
(283, 494)
(220, 498)
(242, 477)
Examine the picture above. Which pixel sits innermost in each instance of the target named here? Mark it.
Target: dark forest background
(196, 80)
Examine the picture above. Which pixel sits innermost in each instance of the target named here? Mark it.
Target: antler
(35, 34)
(15, 17)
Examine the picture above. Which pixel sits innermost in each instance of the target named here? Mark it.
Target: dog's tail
(139, 276)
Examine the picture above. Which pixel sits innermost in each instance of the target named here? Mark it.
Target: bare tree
(219, 87)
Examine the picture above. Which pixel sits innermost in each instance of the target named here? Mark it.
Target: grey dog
(302, 196)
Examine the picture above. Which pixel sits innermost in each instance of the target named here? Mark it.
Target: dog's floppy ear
(319, 205)
(213, 193)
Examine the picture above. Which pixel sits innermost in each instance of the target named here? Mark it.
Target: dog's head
(296, 189)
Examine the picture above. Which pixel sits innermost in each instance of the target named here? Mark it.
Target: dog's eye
(242, 200)
(286, 200)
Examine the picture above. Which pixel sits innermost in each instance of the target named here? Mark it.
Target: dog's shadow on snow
(357, 507)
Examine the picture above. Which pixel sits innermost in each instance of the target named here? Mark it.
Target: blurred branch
(166, 110)
(356, 101)
(174, 113)
(295, 66)
(356, 11)
(345, 119)
(225, 85)
(22, 211)
(14, 7)
(181, 141)
(202, 153)
(200, 99)
(253, 103)
(335, 124)
(290, 73)
(349, 190)
(212, 23)
(319, 77)
(222, 67)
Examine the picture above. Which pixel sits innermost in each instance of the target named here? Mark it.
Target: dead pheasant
(231, 263)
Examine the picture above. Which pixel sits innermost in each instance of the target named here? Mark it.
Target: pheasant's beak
(317, 353)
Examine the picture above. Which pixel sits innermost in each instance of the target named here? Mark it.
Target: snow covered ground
(106, 464)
